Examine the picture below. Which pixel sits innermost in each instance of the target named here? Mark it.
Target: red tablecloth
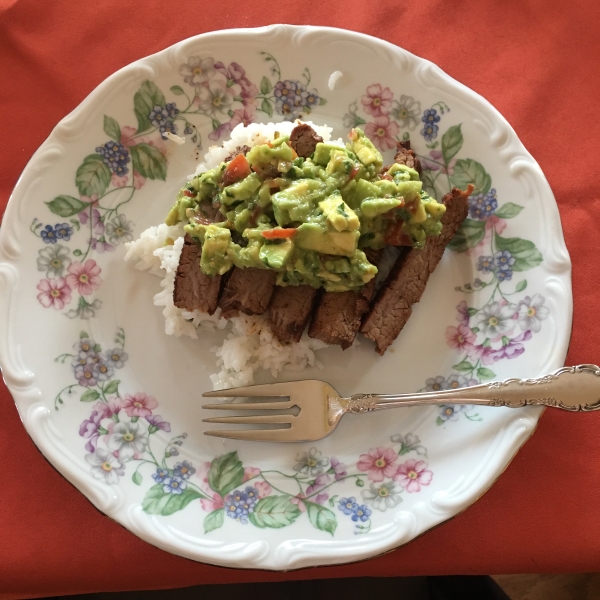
(537, 62)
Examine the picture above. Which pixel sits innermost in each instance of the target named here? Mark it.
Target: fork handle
(570, 388)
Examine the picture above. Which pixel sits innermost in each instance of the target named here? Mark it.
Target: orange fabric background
(537, 62)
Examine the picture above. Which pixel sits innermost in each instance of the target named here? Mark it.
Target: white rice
(249, 344)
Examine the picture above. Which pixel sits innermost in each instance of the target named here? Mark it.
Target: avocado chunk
(276, 255)
(323, 152)
(377, 206)
(242, 190)
(215, 259)
(338, 214)
(364, 149)
(311, 236)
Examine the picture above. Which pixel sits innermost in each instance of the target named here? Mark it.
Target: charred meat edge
(407, 280)
(290, 310)
(247, 290)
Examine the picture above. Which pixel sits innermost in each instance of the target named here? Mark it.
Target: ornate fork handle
(570, 388)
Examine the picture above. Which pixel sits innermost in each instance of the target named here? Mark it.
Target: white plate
(435, 461)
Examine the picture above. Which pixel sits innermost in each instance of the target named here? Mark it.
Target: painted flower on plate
(378, 463)
(406, 111)
(381, 131)
(496, 318)
(460, 338)
(412, 474)
(84, 277)
(347, 505)
(157, 422)
(531, 312)
(119, 230)
(311, 463)
(53, 260)
(214, 98)
(339, 469)
(105, 466)
(128, 439)
(174, 485)
(160, 475)
(383, 496)
(116, 357)
(184, 469)
(377, 100)
(450, 412)
(54, 292)
(197, 70)
(435, 384)
(139, 405)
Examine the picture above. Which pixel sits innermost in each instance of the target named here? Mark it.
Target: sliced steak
(239, 150)
(290, 310)
(193, 289)
(338, 315)
(247, 290)
(304, 140)
(406, 156)
(407, 280)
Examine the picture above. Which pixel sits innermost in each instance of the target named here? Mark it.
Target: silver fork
(321, 407)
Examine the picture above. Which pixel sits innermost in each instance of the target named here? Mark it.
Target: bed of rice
(249, 343)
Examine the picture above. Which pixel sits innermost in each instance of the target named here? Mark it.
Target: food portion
(305, 210)
(280, 235)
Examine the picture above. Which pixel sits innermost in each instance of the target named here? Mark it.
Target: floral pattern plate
(115, 404)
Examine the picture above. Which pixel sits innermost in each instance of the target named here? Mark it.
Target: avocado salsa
(309, 219)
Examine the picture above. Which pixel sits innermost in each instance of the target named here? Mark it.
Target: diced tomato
(354, 171)
(189, 193)
(394, 236)
(412, 205)
(279, 234)
(236, 170)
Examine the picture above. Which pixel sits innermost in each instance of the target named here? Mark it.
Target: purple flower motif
(97, 224)
(320, 482)
(174, 485)
(89, 429)
(85, 375)
(184, 469)
(116, 357)
(462, 316)
(64, 231)
(361, 513)
(348, 505)
(222, 130)
(101, 246)
(339, 468)
(160, 475)
(435, 384)
(172, 451)
(156, 423)
(513, 349)
(485, 264)
(48, 234)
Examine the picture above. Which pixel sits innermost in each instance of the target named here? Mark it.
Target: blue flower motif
(174, 485)
(504, 260)
(184, 469)
(188, 129)
(348, 505)
(64, 231)
(238, 504)
(158, 116)
(483, 206)
(435, 384)
(49, 235)
(361, 513)
(115, 155)
(430, 131)
(430, 117)
(485, 264)
(504, 274)
(160, 475)
(172, 451)
(170, 127)
(292, 98)
(171, 110)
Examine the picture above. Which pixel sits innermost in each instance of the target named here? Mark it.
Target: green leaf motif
(156, 502)
(66, 206)
(226, 473)
(472, 311)
(112, 387)
(274, 512)
(214, 520)
(83, 335)
(89, 396)
(428, 186)
(92, 176)
(485, 373)
(452, 142)
(137, 478)
(463, 365)
(321, 518)
(112, 129)
(265, 86)
(525, 253)
(521, 285)
(470, 233)
(177, 90)
(145, 99)
(267, 107)
(509, 210)
(322, 102)
(468, 171)
(439, 421)
(149, 162)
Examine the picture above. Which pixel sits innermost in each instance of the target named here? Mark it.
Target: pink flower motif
(222, 130)
(250, 473)
(54, 292)
(381, 132)
(244, 115)
(119, 181)
(434, 165)
(128, 139)
(214, 503)
(482, 353)
(462, 316)
(138, 180)
(202, 474)
(513, 349)
(339, 468)
(127, 134)
(460, 338)
(379, 462)
(412, 474)
(321, 498)
(101, 247)
(298, 500)
(139, 405)
(494, 222)
(377, 100)
(320, 482)
(97, 224)
(84, 277)
(263, 489)
(107, 409)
